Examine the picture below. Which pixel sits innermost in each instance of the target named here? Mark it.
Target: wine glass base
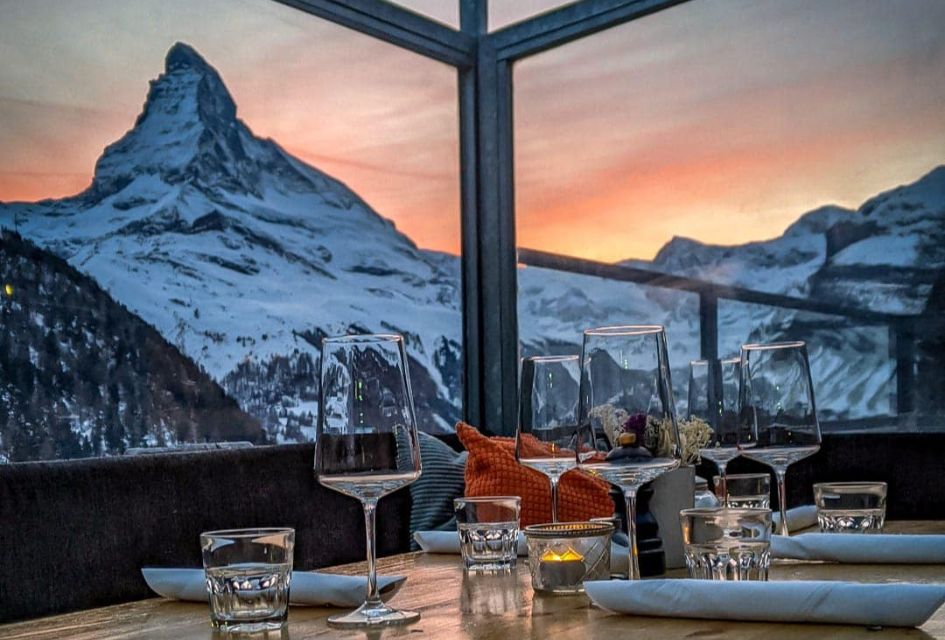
(371, 615)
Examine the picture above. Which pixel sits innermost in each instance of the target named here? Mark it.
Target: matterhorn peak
(186, 132)
(188, 136)
(184, 56)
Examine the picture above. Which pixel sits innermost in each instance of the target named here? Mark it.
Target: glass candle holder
(562, 555)
(850, 507)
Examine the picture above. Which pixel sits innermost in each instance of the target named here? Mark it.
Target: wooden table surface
(483, 606)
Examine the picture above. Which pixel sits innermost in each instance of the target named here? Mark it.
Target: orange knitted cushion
(491, 470)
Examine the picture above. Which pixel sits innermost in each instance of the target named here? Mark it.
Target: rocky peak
(184, 56)
(187, 132)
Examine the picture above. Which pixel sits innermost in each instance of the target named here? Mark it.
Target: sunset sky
(721, 120)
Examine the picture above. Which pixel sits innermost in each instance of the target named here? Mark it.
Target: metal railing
(902, 328)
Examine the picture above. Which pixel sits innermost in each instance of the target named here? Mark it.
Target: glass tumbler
(248, 574)
(488, 532)
(745, 490)
(727, 544)
(850, 507)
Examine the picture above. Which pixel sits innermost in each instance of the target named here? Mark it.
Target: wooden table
(499, 607)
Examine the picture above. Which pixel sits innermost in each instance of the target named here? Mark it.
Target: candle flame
(568, 556)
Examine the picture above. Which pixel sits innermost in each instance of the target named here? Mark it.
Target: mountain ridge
(244, 256)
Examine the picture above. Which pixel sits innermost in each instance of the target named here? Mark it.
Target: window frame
(483, 61)
(489, 258)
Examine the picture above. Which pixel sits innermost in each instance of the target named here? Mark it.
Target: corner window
(191, 197)
(794, 152)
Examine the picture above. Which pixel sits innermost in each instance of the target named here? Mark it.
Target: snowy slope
(233, 249)
(243, 256)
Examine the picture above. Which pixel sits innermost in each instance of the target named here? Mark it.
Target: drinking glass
(727, 544)
(488, 532)
(745, 490)
(777, 415)
(366, 444)
(850, 507)
(548, 416)
(248, 572)
(627, 431)
(713, 398)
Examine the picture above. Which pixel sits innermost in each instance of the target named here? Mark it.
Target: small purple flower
(635, 424)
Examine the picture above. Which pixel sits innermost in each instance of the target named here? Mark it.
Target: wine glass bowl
(713, 399)
(366, 443)
(777, 413)
(627, 431)
(548, 418)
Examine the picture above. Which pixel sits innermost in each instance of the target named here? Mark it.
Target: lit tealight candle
(561, 570)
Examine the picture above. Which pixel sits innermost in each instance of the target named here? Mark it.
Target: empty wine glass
(627, 432)
(713, 398)
(548, 418)
(777, 414)
(366, 444)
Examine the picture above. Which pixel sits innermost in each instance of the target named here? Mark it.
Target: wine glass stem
(630, 495)
(722, 466)
(780, 474)
(373, 595)
(554, 498)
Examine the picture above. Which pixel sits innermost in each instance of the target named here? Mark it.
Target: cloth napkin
(308, 588)
(448, 542)
(865, 548)
(888, 605)
(797, 518)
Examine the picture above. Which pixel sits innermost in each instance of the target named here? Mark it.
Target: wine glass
(713, 399)
(548, 417)
(627, 431)
(366, 444)
(777, 415)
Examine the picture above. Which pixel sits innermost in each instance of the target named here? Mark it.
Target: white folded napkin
(797, 518)
(448, 542)
(865, 548)
(308, 588)
(888, 605)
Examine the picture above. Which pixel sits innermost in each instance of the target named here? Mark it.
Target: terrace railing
(902, 328)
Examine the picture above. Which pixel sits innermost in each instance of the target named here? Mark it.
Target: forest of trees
(80, 375)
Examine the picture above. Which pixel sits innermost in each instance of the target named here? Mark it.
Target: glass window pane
(854, 364)
(793, 149)
(285, 178)
(554, 309)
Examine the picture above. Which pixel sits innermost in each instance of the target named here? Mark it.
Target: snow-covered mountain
(240, 253)
(885, 256)
(243, 256)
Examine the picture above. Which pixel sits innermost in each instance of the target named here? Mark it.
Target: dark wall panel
(74, 535)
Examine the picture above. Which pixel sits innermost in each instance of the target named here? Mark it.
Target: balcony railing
(902, 328)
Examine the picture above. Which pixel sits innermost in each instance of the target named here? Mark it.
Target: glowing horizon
(666, 126)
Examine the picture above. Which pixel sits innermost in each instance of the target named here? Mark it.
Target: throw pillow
(432, 494)
(492, 470)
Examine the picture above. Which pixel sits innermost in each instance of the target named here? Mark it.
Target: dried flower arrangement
(656, 435)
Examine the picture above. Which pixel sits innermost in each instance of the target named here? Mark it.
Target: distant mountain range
(243, 257)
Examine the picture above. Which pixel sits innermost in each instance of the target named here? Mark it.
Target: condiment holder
(562, 555)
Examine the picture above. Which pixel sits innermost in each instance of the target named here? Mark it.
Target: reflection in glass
(366, 444)
(777, 415)
(627, 430)
(713, 399)
(548, 419)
